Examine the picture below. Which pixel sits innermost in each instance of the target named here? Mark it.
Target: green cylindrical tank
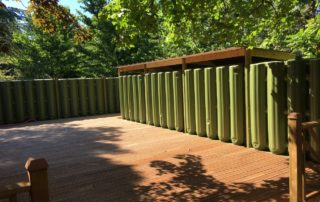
(130, 98)
(64, 98)
(135, 98)
(30, 100)
(237, 104)
(276, 95)
(258, 106)
(120, 81)
(178, 100)
(162, 100)
(41, 100)
(83, 96)
(223, 103)
(52, 100)
(18, 101)
(116, 94)
(314, 89)
(189, 101)
(155, 99)
(141, 96)
(100, 93)
(111, 95)
(169, 100)
(125, 97)
(92, 96)
(148, 99)
(200, 111)
(7, 99)
(211, 102)
(74, 96)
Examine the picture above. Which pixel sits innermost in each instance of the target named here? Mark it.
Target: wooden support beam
(38, 177)
(296, 158)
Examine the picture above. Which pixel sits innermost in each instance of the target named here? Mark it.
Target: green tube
(74, 96)
(116, 94)
(211, 102)
(18, 101)
(83, 96)
(223, 103)
(111, 95)
(155, 100)
(162, 100)
(200, 113)
(41, 100)
(30, 100)
(237, 104)
(142, 103)
(7, 102)
(178, 100)
(189, 99)
(258, 106)
(92, 96)
(135, 98)
(100, 95)
(120, 81)
(64, 98)
(148, 97)
(125, 97)
(52, 100)
(169, 100)
(276, 96)
(130, 98)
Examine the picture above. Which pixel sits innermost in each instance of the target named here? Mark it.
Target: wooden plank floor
(105, 158)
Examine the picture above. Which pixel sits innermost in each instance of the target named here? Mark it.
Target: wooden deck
(105, 158)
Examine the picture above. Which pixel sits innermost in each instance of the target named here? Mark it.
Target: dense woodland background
(47, 41)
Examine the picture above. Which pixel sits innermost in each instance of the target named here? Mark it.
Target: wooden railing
(298, 148)
(37, 185)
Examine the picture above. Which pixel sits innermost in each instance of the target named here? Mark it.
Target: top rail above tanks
(210, 58)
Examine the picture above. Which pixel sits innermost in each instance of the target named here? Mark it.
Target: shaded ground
(105, 158)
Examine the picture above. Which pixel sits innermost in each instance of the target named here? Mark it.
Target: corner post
(38, 177)
(296, 158)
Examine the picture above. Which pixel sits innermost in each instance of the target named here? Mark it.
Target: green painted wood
(189, 101)
(135, 98)
(92, 99)
(237, 104)
(162, 100)
(100, 94)
(83, 97)
(52, 99)
(74, 97)
(314, 97)
(258, 106)
(211, 102)
(111, 95)
(155, 99)
(169, 100)
(223, 103)
(8, 106)
(30, 100)
(141, 98)
(276, 95)
(125, 97)
(41, 100)
(200, 111)
(116, 94)
(18, 97)
(120, 81)
(130, 97)
(148, 99)
(64, 98)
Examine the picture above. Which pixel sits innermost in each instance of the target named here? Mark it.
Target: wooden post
(296, 158)
(38, 177)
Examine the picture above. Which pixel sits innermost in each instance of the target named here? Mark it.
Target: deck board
(105, 158)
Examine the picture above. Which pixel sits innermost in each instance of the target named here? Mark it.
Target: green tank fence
(223, 103)
(155, 99)
(130, 98)
(64, 98)
(52, 99)
(111, 106)
(1, 109)
(30, 100)
(169, 100)
(237, 104)
(141, 100)
(8, 110)
(178, 100)
(92, 96)
(116, 98)
(18, 101)
(135, 98)
(258, 106)
(125, 97)
(100, 93)
(120, 81)
(199, 102)
(277, 120)
(162, 100)
(41, 100)
(83, 97)
(189, 102)
(211, 102)
(148, 97)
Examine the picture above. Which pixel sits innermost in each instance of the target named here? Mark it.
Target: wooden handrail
(310, 124)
